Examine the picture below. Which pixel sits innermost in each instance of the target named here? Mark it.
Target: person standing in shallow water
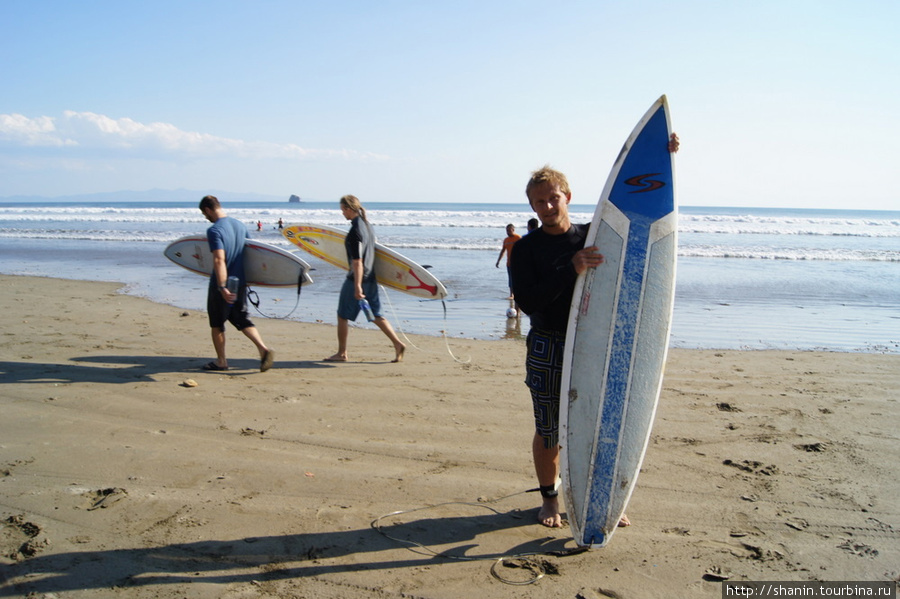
(508, 243)
(360, 282)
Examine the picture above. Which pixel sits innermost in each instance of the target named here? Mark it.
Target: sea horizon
(192, 199)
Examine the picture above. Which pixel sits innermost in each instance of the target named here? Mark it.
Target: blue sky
(777, 102)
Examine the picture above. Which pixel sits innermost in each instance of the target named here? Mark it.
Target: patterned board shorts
(543, 376)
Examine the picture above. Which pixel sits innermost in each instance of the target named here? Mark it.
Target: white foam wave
(331, 217)
(788, 225)
(492, 219)
(800, 253)
(480, 243)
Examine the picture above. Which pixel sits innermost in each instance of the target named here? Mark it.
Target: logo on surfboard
(645, 183)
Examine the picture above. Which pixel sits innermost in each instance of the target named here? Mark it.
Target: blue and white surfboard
(618, 333)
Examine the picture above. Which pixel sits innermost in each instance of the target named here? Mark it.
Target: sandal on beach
(267, 360)
(214, 366)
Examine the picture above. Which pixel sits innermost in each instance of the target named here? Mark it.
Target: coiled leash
(253, 297)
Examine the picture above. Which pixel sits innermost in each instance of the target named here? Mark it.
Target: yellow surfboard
(391, 269)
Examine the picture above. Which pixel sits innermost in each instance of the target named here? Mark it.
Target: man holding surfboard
(545, 265)
(226, 242)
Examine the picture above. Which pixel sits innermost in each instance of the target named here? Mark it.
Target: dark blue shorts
(543, 375)
(348, 305)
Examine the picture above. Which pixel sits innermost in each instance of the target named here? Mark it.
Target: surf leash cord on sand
(525, 560)
(408, 340)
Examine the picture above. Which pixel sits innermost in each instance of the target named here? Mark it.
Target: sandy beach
(119, 479)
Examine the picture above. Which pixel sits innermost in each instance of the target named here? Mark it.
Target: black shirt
(360, 245)
(544, 277)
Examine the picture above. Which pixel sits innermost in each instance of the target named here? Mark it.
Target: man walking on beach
(226, 239)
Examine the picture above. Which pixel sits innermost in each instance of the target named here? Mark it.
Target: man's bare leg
(546, 466)
(218, 339)
(266, 356)
(252, 333)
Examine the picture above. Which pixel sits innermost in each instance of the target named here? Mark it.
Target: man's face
(551, 206)
(209, 214)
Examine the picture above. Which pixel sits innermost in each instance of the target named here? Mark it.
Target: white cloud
(76, 131)
(21, 130)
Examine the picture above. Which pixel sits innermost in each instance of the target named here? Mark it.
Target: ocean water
(748, 278)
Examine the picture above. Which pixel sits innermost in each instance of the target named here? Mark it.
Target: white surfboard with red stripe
(391, 268)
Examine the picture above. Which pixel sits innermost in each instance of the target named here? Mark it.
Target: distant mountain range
(152, 195)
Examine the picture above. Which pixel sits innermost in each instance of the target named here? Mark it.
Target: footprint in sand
(860, 549)
(21, 539)
(753, 467)
(104, 498)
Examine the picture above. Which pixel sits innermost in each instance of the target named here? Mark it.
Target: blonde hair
(353, 203)
(545, 174)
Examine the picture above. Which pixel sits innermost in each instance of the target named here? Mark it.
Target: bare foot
(336, 358)
(624, 521)
(400, 351)
(549, 514)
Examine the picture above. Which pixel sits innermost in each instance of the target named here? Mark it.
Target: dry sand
(116, 480)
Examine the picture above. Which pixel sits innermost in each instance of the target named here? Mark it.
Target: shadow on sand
(127, 369)
(273, 558)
